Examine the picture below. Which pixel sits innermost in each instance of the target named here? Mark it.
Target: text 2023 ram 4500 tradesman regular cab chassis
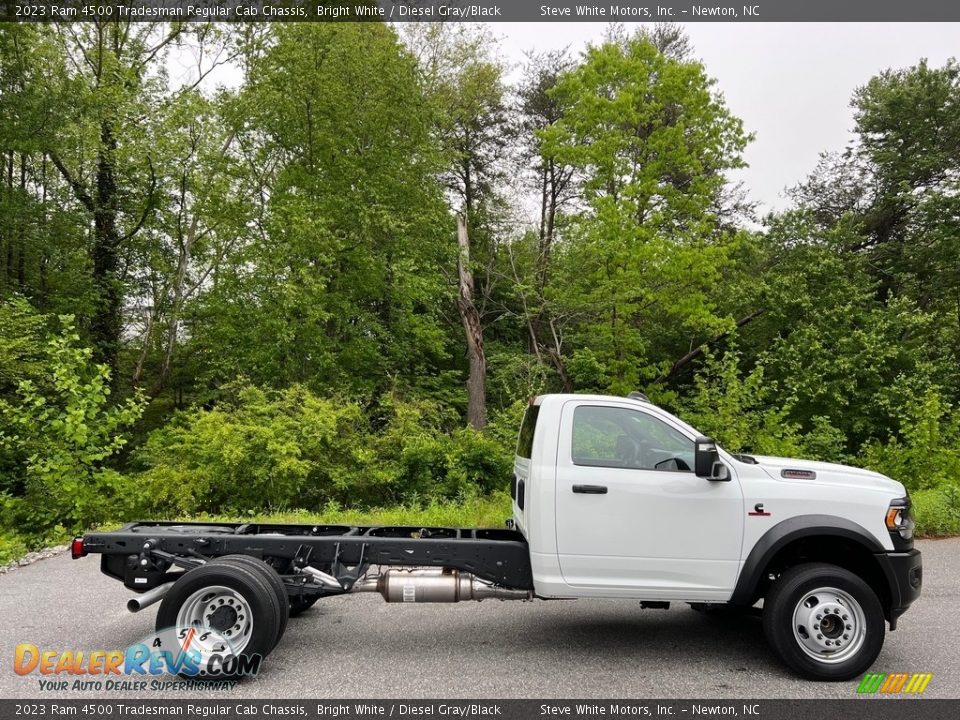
(612, 498)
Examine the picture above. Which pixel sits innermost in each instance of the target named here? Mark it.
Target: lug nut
(844, 617)
(819, 636)
(828, 642)
(849, 626)
(819, 617)
(846, 637)
(816, 626)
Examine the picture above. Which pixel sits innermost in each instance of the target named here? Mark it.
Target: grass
(484, 511)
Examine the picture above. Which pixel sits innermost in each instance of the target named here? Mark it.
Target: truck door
(632, 517)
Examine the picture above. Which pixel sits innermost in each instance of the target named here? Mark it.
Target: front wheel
(824, 622)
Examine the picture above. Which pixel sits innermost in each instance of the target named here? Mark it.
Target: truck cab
(618, 498)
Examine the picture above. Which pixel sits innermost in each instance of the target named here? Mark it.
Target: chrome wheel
(219, 615)
(829, 625)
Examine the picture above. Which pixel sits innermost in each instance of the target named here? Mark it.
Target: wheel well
(840, 551)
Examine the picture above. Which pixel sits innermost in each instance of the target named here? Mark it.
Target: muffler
(139, 602)
(434, 585)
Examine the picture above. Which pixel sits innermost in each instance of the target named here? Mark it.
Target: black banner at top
(481, 10)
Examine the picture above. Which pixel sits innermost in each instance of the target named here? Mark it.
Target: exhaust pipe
(435, 586)
(138, 603)
(321, 577)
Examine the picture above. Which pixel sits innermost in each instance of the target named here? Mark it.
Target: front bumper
(904, 574)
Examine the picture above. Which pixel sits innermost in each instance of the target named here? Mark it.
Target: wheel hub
(223, 618)
(221, 609)
(829, 625)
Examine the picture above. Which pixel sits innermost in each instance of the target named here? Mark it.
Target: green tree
(555, 184)
(652, 139)
(200, 220)
(87, 113)
(896, 191)
(336, 282)
(42, 232)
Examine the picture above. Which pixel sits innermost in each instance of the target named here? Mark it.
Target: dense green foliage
(56, 432)
(259, 449)
(271, 310)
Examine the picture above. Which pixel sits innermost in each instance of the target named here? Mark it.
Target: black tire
(300, 605)
(251, 586)
(855, 620)
(271, 576)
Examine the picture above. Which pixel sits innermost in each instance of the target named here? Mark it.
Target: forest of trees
(338, 280)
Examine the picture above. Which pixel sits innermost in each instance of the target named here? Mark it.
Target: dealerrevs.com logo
(894, 683)
(192, 653)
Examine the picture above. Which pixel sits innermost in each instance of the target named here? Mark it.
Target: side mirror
(707, 461)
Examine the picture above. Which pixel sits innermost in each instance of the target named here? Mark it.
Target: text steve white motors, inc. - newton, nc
(652, 11)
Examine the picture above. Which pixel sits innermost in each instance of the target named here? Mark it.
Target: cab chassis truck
(612, 498)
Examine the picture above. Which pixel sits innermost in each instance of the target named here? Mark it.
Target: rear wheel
(227, 613)
(824, 622)
(272, 577)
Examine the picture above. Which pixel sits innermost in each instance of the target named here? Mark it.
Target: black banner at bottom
(858, 708)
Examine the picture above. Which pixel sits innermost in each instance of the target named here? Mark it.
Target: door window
(619, 437)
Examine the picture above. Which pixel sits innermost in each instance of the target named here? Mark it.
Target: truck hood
(831, 473)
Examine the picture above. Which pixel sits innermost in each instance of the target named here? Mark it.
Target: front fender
(786, 532)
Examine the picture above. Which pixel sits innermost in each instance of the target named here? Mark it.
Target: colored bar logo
(894, 683)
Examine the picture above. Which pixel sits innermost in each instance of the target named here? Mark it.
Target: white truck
(612, 498)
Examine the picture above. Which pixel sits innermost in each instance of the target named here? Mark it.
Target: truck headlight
(898, 518)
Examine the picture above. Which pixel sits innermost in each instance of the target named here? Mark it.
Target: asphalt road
(360, 646)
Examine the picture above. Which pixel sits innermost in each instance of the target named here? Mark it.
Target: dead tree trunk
(477, 380)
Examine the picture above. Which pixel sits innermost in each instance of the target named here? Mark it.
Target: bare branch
(147, 206)
(78, 189)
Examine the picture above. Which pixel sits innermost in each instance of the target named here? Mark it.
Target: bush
(57, 433)
(925, 454)
(257, 449)
(937, 511)
(253, 449)
(12, 547)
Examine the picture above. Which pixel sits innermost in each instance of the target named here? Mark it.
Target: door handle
(590, 489)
